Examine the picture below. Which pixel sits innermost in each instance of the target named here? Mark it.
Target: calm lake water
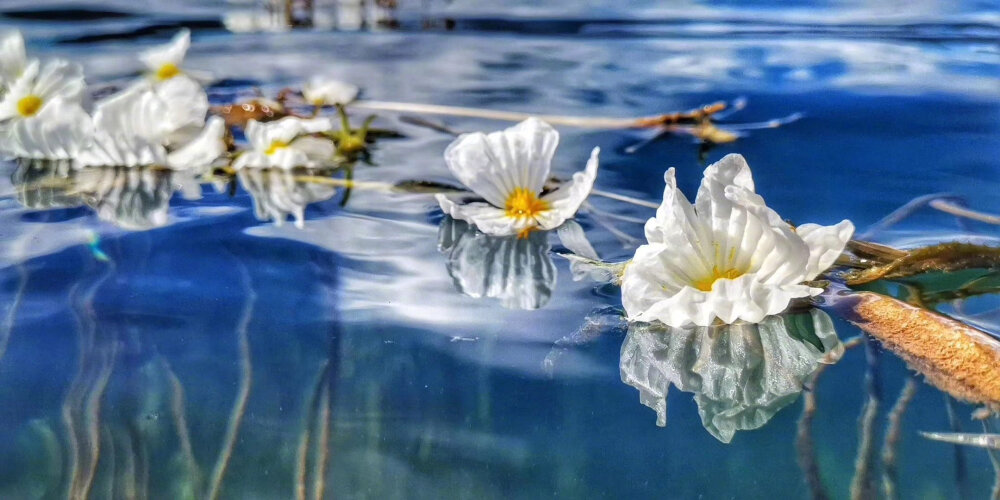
(366, 343)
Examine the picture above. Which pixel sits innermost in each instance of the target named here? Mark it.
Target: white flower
(38, 85)
(509, 169)
(131, 130)
(58, 132)
(284, 144)
(728, 257)
(321, 91)
(164, 62)
(12, 58)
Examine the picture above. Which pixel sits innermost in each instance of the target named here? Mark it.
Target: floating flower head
(58, 132)
(508, 169)
(38, 85)
(164, 62)
(323, 91)
(130, 131)
(727, 257)
(284, 144)
(12, 58)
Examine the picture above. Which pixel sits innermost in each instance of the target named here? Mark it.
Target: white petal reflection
(740, 374)
(518, 271)
(131, 198)
(276, 194)
(43, 184)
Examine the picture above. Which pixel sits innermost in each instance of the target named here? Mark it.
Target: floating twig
(948, 207)
(657, 121)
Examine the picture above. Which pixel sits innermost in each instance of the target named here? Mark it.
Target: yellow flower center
(275, 147)
(29, 105)
(706, 284)
(524, 203)
(167, 71)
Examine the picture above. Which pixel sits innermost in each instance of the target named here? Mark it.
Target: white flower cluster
(160, 119)
(726, 258)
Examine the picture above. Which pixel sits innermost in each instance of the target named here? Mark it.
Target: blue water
(431, 392)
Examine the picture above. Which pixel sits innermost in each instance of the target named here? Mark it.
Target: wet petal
(322, 90)
(172, 52)
(486, 217)
(494, 165)
(566, 200)
(204, 149)
(826, 243)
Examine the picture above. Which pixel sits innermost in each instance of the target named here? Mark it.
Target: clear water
(361, 318)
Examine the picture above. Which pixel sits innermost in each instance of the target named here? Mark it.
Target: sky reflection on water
(377, 315)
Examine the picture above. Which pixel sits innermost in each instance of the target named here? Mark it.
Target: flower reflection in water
(42, 184)
(133, 198)
(277, 194)
(518, 271)
(741, 374)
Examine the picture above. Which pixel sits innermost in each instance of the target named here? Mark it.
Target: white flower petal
(128, 131)
(677, 226)
(55, 79)
(172, 52)
(185, 106)
(487, 218)
(12, 57)
(204, 149)
(566, 200)
(59, 131)
(826, 243)
(318, 150)
(494, 165)
(321, 90)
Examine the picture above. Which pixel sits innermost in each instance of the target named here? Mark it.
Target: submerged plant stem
(804, 445)
(863, 483)
(243, 392)
(7, 326)
(892, 436)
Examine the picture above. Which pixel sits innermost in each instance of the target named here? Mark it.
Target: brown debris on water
(944, 258)
(957, 358)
